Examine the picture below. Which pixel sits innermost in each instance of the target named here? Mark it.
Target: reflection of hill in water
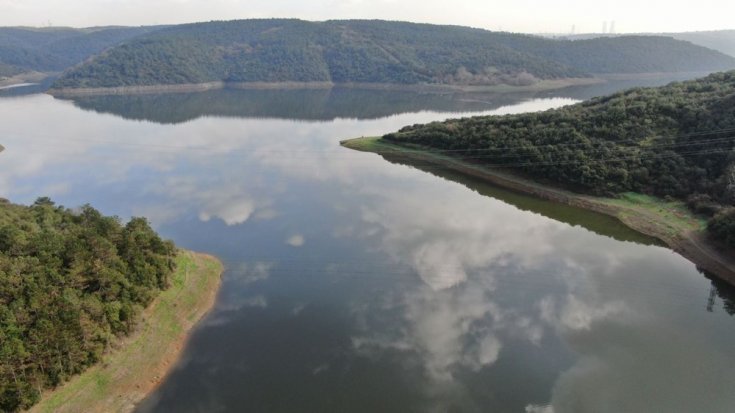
(614, 86)
(723, 290)
(303, 104)
(328, 104)
(592, 221)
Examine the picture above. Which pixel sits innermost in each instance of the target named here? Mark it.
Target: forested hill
(633, 54)
(720, 40)
(70, 281)
(360, 51)
(54, 49)
(675, 140)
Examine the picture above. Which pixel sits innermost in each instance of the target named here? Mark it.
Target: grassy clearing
(138, 364)
(674, 214)
(364, 144)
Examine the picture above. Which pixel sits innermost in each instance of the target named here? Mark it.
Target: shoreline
(138, 363)
(22, 79)
(543, 85)
(681, 231)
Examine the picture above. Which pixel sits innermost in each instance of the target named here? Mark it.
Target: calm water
(359, 284)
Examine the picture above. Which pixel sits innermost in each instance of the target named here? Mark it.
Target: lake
(358, 284)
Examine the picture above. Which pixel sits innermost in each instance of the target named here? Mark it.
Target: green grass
(674, 213)
(123, 376)
(364, 144)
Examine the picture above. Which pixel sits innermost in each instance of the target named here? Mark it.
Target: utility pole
(711, 298)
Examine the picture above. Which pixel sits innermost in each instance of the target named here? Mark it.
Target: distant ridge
(720, 40)
(54, 49)
(374, 51)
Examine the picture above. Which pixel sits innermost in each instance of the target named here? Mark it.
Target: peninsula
(94, 312)
(659, 159)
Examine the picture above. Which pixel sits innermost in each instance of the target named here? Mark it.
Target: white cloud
(576, 314)
(320, 369)
(298, 309)
(257, 301)
(231, 211)
(487, 352)
(248, 273)
(533, 408)
(296, 240)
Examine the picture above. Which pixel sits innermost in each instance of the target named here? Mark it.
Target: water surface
(357, 284)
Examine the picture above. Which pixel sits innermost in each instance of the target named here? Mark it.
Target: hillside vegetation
(7, 70)
(70, 282)
(55, 49)
(672, 141)
(358, 51)
(720, 40)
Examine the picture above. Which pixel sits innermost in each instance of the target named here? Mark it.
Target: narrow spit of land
(140, 361)
(670, 222)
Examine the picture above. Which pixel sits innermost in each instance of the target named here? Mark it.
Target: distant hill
(57, 48)
(360, 51)
(721, 40)
(633, 54)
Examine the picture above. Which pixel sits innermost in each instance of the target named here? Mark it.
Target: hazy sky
(510, 15)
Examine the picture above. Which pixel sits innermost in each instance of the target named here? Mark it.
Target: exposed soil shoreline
(23, 78)
(141, 361)
(683, 234)
(200, 87)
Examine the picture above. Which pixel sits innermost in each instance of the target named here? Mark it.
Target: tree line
(71, 281)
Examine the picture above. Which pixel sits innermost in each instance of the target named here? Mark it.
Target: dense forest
(54, 49)
(8, 70)
(360, 51)
(672, 141)
(70, 282)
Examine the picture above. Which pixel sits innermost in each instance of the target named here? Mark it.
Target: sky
(528, 16)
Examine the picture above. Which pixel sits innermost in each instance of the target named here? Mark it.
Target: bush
(722, 227)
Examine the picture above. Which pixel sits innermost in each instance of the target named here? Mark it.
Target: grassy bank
(668, 221)
(139, 362)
